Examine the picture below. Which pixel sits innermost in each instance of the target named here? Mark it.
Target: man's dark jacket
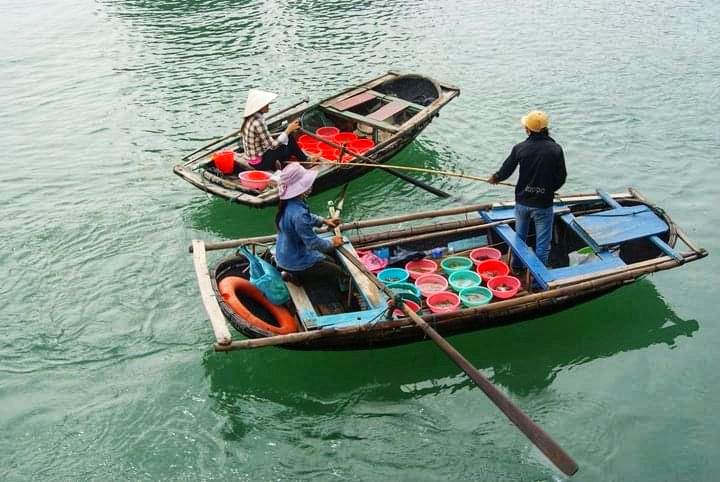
(542, 170)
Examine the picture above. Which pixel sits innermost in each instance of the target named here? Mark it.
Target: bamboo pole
(369, 223)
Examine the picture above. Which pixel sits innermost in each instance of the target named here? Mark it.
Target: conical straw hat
(256, 100)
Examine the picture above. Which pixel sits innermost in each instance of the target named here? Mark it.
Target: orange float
(231, 285)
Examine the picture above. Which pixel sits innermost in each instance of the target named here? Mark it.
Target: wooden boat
(628, 236)
(391, 109)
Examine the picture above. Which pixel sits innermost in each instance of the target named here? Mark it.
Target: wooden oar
(532, 431)
(370, 163)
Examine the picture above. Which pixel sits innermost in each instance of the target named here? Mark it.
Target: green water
(106, 370)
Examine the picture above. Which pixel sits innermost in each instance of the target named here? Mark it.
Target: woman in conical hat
(300, 252)
(260, 150)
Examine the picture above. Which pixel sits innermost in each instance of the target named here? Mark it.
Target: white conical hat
(256, 100)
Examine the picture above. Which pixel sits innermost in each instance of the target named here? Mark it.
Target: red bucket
(255, 179)
(307, 140)
(311, 151)
(330, 154)
(491, 268)
(361, 146)
(224, 161)
(327, 132)
(344, 137)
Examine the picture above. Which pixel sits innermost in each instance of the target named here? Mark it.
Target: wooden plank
(358, 89)
(303, 305)
(388, 110)
(364, 119)
(390, 98)
(217, 319)
(354, 101)
(371, 292)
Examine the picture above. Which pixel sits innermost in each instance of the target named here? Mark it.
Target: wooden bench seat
(388, 110)
(353, 101)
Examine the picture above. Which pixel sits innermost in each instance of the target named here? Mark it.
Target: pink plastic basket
(428, 284)
(421, 267)
(443, 302)
(481, 254)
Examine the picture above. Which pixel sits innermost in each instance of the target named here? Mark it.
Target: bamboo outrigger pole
(417, 169)
(527, 426)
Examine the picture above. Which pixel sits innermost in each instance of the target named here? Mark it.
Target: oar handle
(527, 426)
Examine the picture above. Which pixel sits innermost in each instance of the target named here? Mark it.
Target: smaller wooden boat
(601, 242)
(390, 110)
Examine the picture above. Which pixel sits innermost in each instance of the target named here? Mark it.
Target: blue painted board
(664, 247)
(602, 264)
(621, 224)
(352, 319)
(521, 250)
(508, 212)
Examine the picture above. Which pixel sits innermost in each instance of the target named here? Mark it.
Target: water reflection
(523, 359)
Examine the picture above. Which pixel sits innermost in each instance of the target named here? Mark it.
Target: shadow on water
(523, 359)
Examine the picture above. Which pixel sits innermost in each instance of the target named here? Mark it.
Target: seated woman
(261, 151)
(301, 253)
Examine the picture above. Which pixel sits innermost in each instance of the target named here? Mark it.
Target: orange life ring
(231, 285)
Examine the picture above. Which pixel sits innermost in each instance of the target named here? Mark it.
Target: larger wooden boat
(391, 110)
(624, 235)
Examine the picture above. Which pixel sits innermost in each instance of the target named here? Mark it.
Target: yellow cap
(535, 121)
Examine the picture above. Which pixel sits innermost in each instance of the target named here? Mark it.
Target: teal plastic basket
(460, 280)
(475, 296)
(456, 263)
(404, 288)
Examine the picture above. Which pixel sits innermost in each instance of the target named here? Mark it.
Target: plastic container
(504, 286)
(456, 263)
(373, 263)
(345, 158)
(330, 154)
(327, 132)
(400, 288)
(224, 161)
(311, 151)
(254, 179)
(479, 255)
(410, 297)
(460, 280)
(393, 275)
(443, 302)
(399, 313)
(361, 146)
(492, 267)
(344, 137)
(306, 140)
(432, 283)
(475, 296)
(421, 267)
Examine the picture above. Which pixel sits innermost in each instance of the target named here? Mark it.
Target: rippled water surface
(106, 370)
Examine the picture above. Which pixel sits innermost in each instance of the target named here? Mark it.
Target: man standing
(542, 172)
